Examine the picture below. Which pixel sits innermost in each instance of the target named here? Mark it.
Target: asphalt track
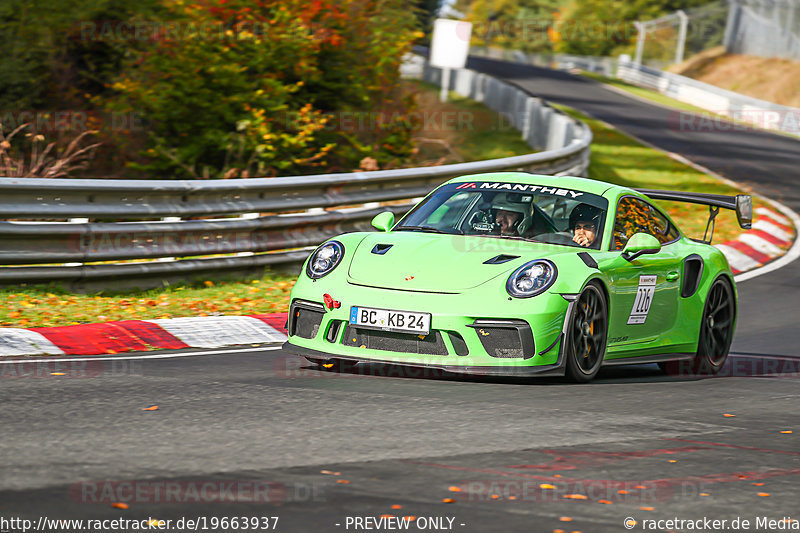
(271, 425)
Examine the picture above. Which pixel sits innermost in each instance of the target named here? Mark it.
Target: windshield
(512, 210)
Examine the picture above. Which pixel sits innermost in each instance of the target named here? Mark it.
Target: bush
(257, 87)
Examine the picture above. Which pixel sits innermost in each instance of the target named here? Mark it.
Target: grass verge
(647, 94)
(461, 130)
(50, 306)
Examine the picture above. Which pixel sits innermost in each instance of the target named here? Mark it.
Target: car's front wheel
(586, 334)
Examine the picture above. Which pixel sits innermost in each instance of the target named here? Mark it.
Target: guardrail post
(639, 42)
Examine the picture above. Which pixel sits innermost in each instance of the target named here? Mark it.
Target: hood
(438, 263)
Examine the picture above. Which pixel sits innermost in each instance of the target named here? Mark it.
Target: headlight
(325, 259)
(531, 279)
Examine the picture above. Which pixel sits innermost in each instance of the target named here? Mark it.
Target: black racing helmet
(586, 213)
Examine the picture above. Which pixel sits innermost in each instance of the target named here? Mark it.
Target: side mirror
(640, 243)
(383, 221)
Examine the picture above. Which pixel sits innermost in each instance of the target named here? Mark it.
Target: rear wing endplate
(741, 203)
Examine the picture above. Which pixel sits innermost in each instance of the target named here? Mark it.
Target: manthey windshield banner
(522, 187)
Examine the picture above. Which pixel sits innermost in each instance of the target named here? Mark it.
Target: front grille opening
(305, 322)
(333, 330)
(390, 341)
(458, 342)
(503, 343)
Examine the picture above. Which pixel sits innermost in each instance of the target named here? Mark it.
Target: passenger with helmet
(511, 218)
(584, 221)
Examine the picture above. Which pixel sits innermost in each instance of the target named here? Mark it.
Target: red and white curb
(770, 238)
(143, 335)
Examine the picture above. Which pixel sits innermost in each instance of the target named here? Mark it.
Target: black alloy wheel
(716, 334)
(586, 334)
(716, 329)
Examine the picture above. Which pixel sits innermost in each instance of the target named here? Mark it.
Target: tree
(259, 87)
(50, 50)
(517, 24)
(603, 27)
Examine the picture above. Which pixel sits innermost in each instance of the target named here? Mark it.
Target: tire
(716, 329)
(716, 334)
(334, 365)
(587, 334)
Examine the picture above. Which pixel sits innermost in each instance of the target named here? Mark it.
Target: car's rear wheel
(334, 365)
(586, 334)
(716, 328)
(716, 334)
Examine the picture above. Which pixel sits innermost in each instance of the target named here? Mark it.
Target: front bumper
(468, 330)
(556, 369)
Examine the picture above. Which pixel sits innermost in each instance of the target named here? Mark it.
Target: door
(646, 291)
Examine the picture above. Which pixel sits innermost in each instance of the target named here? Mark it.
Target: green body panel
(446, 275)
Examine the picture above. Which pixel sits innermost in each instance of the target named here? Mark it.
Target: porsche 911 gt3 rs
(519, 274)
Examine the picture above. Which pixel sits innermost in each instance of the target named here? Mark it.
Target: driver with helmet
(584, 222)
(511, 218)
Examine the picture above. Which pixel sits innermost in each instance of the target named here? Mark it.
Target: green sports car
(520, 274)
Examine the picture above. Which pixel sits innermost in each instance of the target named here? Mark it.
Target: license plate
(390, 320)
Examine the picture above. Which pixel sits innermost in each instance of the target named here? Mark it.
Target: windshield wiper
(428, 229)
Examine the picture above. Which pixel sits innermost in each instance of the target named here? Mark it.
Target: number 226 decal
(644, 298)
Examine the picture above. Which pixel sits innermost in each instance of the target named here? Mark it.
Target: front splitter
(525, 371)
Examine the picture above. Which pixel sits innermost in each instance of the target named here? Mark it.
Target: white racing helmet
(503, 201)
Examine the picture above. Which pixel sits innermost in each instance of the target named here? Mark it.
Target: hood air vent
(500, 259)
(381, 249)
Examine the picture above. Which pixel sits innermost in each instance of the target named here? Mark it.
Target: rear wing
(741, 203)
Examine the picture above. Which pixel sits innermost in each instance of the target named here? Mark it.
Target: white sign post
(449, 48)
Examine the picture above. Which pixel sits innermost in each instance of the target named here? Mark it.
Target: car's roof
(583, 184)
